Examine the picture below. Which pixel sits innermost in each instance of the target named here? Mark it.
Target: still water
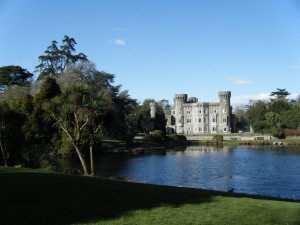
(271, 171)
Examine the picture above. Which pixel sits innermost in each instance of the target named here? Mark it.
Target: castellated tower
(153, 109)
(225, 111)
(179, 100)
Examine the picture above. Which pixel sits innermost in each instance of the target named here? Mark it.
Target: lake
(270, 171)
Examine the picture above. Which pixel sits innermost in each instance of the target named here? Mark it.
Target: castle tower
(225, 111)
(153, 109)
(179, 100)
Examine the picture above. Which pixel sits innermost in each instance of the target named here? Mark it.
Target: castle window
(214, 120)
(225, 129)
(189, 120)
(213, 129)
(205, 119)
(199, 120)
(224, 120)
(200, 111)
(224, 111)
(173, 112)
(188, 112)
(200, 128)
(205, 129)
(205, 110)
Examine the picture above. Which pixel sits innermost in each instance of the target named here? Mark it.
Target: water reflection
(264, 171)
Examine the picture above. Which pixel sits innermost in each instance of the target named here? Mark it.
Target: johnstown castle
(188, 116)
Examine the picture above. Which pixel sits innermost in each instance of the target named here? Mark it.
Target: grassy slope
(32, 197)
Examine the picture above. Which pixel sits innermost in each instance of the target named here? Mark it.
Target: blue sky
(159, 48)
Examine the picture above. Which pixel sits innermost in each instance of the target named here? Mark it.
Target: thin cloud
(239, 80)
(119, 42)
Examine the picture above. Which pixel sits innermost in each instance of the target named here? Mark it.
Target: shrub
(156, 135)
(277, 132)
(217, 138)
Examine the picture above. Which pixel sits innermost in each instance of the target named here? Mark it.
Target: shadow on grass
(49, 198)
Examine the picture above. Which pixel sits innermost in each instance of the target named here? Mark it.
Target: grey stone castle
(188, 116)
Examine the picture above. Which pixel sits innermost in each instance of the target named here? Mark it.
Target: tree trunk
(92, 160)
(3, 153)
(84, 167)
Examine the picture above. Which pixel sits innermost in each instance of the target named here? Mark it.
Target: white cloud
(239, 80)
(245, 99)
(119, 42)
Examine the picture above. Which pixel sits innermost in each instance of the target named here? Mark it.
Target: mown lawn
(35, 197)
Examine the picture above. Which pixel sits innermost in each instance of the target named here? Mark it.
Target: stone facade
(188, 116)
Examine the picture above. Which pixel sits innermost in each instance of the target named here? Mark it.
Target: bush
(177, 137)
(217, 138)
(277, 132)
(156, 135)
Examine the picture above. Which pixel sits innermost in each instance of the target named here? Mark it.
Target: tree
(240, 113)
(39, 135)
(118, 118)
(279, 106)
(280, 94)
(291, 119)
(121, 122)
(256, 112)
(14, 75)
(145, 123)
(56, 59)
(76, 113)
(10, 135)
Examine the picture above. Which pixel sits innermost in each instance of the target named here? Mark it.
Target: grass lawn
(35, 197)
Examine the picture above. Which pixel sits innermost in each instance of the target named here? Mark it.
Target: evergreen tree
(56, 59)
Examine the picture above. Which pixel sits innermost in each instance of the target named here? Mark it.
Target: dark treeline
(68, 110)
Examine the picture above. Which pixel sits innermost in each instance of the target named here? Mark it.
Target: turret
(225, 111)
(179, 100)
(153, 109)
(224, 97)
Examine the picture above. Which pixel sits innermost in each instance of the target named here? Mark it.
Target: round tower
(224, 97)
(153, 109)
(225, 111)
(179, 100)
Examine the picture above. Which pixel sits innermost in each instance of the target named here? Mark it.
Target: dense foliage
(68, 110)
(275, 115)
(14, 75)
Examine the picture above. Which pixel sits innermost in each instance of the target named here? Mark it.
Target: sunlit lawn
(33, 197)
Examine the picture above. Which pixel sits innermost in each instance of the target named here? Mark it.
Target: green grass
(35, 197)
